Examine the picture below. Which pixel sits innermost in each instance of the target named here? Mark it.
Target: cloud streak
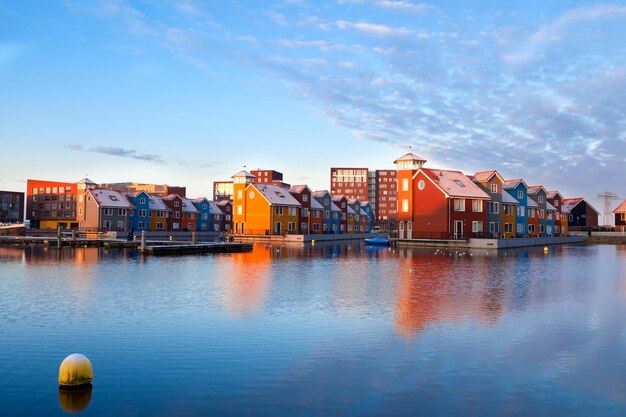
(117, 151)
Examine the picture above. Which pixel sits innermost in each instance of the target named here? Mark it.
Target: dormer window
(494, 188)
(459, 183)
(112, 197)
(176, 203)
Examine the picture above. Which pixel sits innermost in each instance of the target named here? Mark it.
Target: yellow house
(159, 214)
(509, 208)
(262, 209)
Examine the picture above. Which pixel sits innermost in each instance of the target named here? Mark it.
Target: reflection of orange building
(250, 282)
(431, 290)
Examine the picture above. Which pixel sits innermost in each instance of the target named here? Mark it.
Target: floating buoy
(313, 241)
(75, 371)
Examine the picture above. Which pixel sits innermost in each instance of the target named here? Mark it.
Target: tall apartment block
(11, 207)
(269, 176)
(376, 186)
(349, 182)
(50, 204)
(161, 190)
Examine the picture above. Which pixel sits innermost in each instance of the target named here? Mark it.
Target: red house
(175, 203)
(302, 193)
(438, 203)
(342, 203)
(554, 198)
(317, 216)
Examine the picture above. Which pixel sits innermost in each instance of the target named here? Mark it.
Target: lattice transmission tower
(608, 198)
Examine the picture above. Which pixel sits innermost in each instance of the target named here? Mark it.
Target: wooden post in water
(193, 238)
(58, 236)
(142, 247)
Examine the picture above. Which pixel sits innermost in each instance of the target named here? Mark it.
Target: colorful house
(335, 218)
(369, 211)
(437, 203)
(263, 209)
(302, 193)
(174, 203)
(189, 215)
(554, 199)
(540, 196)
(159, 214)
(509, 215)
(353, 220)
(226, 206)
(324, 198)
(532, 218)
(620, 216)
(316, 217)
(203, 220)
(342, 204)
(581, 213)
(491, 183)
(518, 189)
(140, 215)
(105, 210)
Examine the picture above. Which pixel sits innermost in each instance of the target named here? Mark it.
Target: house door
(401, 232)
(458, 229)
(277, 228)
(409, 230)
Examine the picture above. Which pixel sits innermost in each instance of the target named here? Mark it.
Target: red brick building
(50, 204)
(349, 182)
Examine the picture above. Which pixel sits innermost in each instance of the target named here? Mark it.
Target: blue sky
(187, 92)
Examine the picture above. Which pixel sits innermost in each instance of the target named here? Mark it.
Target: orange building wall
(509, 218)
(430, 208)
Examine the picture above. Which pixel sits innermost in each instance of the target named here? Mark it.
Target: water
(323, 330)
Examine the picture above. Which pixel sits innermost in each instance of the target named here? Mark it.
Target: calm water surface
(333, 330)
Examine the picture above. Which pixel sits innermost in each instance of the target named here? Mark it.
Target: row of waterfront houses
(447, 204)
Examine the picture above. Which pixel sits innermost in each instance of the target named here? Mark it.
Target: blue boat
(378, 241)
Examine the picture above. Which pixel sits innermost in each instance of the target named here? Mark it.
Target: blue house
(140, 217)
(335, 218)
(518, 189)
(203, 221)
(367, 208)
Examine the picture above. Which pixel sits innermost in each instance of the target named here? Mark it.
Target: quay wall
(489, 243)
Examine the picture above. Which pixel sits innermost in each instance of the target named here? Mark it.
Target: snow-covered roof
(315, 205)
(363, 212)
(351, 210)
(86, 181)
(110, 198)
(486, 175)
(244, 174)
(156, 203)
(188, 206)
(277, 196)
(569, 203)
(531, 203)
(550, 207)
(200, 200)
(621, 208)
(334, 207)
(553, 193)
(320, 193)
(214, 208)
(455, 183)
(298, 188)
(410, 157)
(511, 184)
(534, 189)
(508, 198)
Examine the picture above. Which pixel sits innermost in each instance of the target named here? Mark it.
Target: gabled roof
(621, 208)
(454, 184)
(276, 196)
(156, 203)
(224, 203)
(333, 207)
(214, 208)
(337, 199)
(110, 198)
(553, 193)
(363, 212)
(315, 205)
(485, 176)
(534, 189)
(137, 193)
(532, 203)
(298, 188)
(320, 193)
(409, 157)
(550, 207)
(86, 181)
(200, 200)
(171, 197)
(511, 184)
(508, 198)
(188, 206)
(569, 203)
(351, 210)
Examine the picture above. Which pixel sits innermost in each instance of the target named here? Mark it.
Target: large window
(508, 228)
(278, 210)
(477, 227)
(405, 205)
(520, 194)
(459, 204)
(477, 205)
(494, 207)
(494, 188)
(405, 184)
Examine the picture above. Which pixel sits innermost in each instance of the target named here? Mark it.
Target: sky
(188, 92)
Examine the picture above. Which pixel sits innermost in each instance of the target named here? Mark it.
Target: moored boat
(378, 241)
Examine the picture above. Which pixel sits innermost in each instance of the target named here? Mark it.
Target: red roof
(486, 175)
(455, 183)
(621, 208)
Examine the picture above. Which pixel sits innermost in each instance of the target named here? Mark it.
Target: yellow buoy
(313, 241)
(75, 370)
(545, 248)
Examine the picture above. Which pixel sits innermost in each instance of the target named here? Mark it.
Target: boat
(378, 241)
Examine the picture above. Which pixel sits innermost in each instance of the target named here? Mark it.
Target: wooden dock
(179, 249)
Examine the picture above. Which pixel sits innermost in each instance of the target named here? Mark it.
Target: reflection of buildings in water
(248, 288)
(445, 288)
(12, 254)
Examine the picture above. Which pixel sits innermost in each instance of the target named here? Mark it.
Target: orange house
(317, 215)
(262, 209)
(532, 214)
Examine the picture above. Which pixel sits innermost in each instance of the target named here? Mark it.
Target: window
(520, 211)
(494, 188)
(205, 216)
(326, 201)
(175, 226)
(459, 204)
(303, 226)
(239, 210)
(541, 228)
(540, 200)
(520, 195)
(477, 205)
(556, 203)
(292, 211)
(494, 207)
(477, 227)
(405, 184)
(405, 205)
(108, 211)
(190, 226)
(113, 198)
(177, 214)
(305, 197)
(278, 210)
(508, 228)
(120, 224)
(421, 184)
(542, 213)
(531, 228)
(142, 200)
(520, 228)
(142, 213)
(305, 212)
(494, 227)
(291, 226)
(316, 227)
(121, 212)
(141, 225)
(176, 203)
